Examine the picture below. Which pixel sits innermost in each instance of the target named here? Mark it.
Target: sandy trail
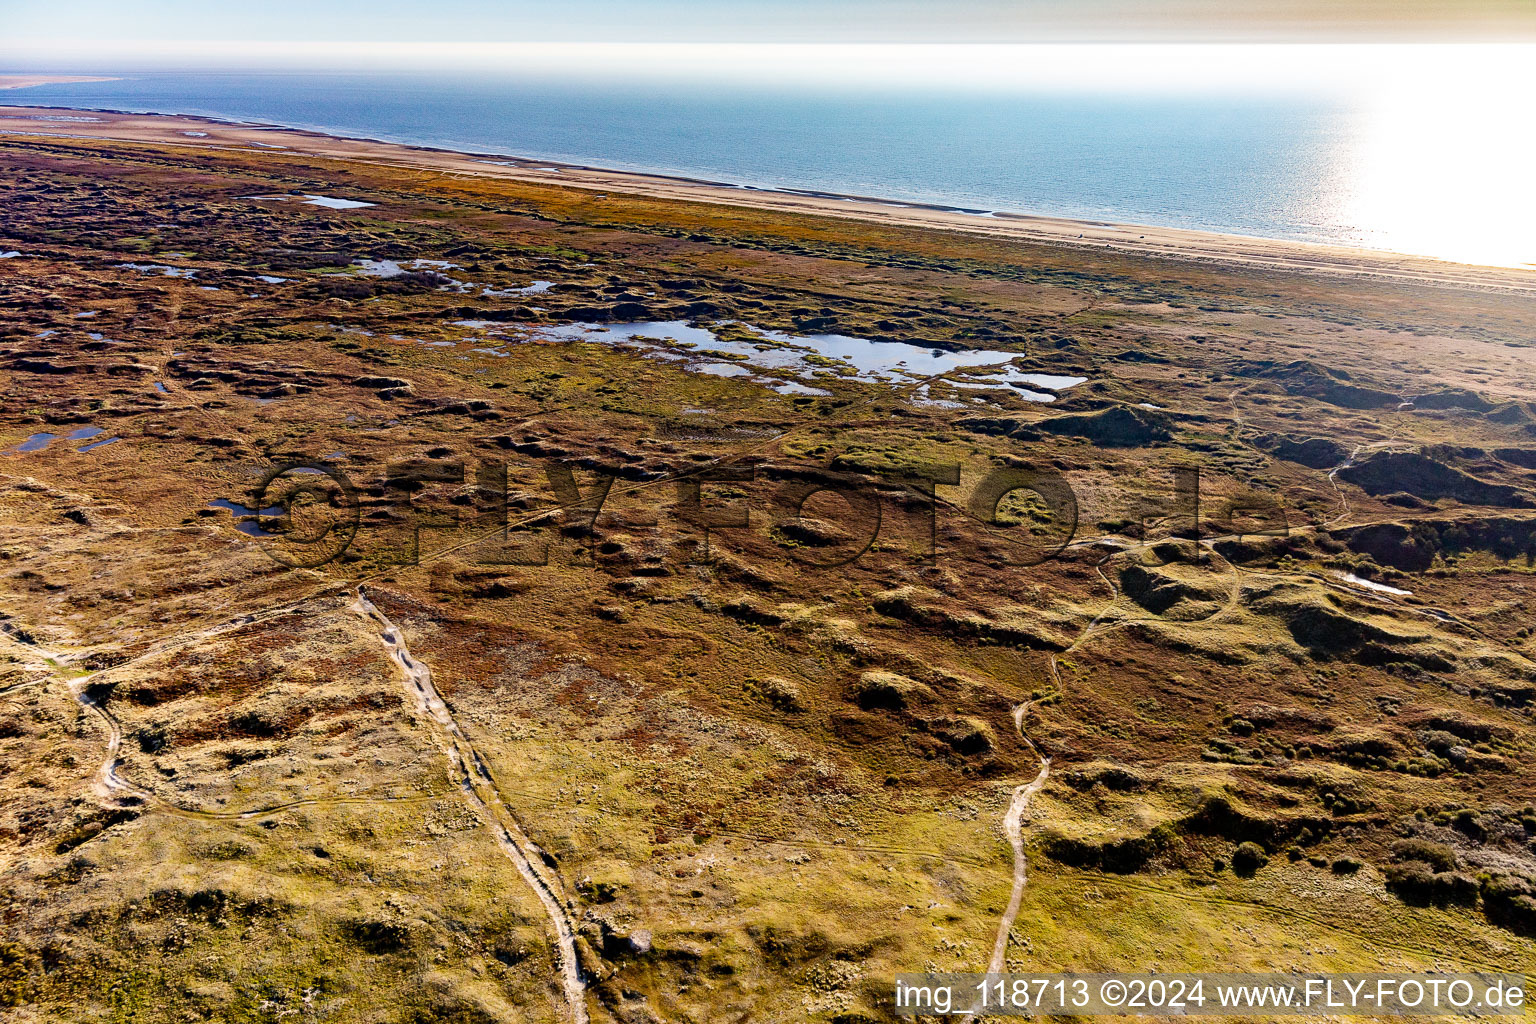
(1013, 826)
(482, 796)
(109, 786)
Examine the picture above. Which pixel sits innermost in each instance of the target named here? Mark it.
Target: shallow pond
(247, 519)
(159, 268)
(811, 358)
(36, 442)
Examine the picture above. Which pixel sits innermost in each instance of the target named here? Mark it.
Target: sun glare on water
(1432, 153)
(1444, 168)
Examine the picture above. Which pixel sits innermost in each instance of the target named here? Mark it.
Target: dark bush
(13, 973)
(1416, 882)
(1466, 823)
(1248, 858)
(381, 936)
(1123, 857)
(1510, 901)
(1436, 855)
(1438, 741)
(339, 287)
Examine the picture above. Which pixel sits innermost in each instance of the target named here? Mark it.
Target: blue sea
(1292, 167)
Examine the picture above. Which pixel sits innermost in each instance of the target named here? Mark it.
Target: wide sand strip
(1170, 243)
(28, 81)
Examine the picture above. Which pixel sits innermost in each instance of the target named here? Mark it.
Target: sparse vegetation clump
(1248, 858)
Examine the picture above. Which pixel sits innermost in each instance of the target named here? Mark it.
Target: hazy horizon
(33, 24)
(1335, 69)
(1401, 148)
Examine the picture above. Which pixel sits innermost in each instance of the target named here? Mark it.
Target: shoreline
(32, 81)
(1149, 241)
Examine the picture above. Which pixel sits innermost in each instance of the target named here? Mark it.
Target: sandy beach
(1167, 243)
(28, 81)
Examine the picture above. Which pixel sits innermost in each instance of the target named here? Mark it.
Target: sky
(135, 26)
(1151, 45)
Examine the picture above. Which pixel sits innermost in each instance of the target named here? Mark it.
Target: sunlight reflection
(1444, 168)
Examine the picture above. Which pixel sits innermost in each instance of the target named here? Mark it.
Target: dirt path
(482, 796)
(1022, 795)
(1013, 826)
(109, 786)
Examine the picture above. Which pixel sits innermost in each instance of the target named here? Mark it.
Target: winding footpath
(109, 787)
(480, 793)
(1013, 826)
